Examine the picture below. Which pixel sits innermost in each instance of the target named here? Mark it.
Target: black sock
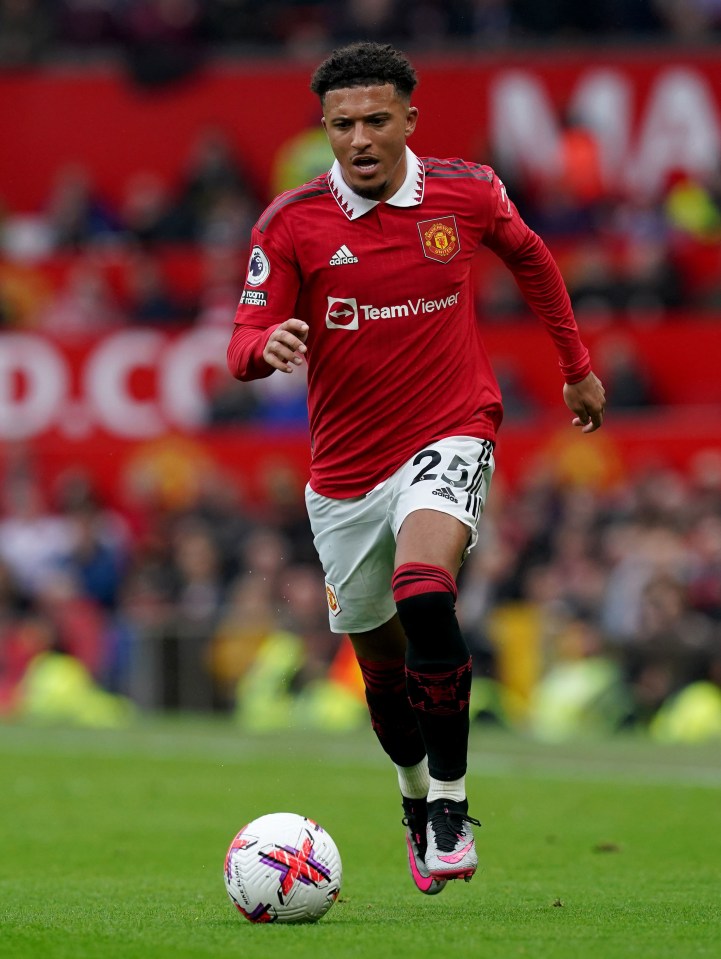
(393, 720)
(438, 666)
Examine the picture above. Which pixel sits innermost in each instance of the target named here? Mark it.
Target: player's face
(368, 128)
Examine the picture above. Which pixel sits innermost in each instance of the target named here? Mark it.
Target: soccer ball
(283, 868)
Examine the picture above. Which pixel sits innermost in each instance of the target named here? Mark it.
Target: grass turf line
(113, 844)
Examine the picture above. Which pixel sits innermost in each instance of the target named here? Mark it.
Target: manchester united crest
(332, 597)
(439, 238)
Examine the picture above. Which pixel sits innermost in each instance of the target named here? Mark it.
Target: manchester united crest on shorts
(332, 597)
(439, 238)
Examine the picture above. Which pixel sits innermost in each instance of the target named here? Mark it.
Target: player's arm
(266, 336)
(543, 288)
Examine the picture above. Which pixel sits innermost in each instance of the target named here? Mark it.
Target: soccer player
(365, 274)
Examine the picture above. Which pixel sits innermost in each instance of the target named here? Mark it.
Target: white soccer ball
(283, 868)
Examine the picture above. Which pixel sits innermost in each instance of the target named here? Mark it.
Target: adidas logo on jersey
(446, 493)
(342, 255)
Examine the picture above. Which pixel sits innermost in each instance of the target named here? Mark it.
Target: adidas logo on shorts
(342, 255)
(446, 493)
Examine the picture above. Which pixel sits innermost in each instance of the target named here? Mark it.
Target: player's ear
(411, 120)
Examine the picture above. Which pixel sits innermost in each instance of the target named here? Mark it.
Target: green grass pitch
(113, 845)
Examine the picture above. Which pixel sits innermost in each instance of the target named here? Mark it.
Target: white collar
(409, 194)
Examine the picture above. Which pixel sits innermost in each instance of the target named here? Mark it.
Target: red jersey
(395, 356)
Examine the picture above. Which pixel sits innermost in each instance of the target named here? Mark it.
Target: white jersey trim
(410, 193)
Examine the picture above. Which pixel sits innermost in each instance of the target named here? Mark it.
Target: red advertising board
(654, 113)
(130, 409)
(140, 383)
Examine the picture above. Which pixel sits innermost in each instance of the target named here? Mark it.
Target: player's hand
(587, 400)
(286, 345)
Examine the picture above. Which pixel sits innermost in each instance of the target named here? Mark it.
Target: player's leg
(435, 514)
(356, 547)
(438, 676)
(438, 660)
(381, 656)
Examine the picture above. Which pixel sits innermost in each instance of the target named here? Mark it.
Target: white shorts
(356, 538)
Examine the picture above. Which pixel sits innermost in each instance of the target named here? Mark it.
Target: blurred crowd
(85, 261)
(212, 204)
(626, 255)
(163, 39)
(173, 255)
(588, 610)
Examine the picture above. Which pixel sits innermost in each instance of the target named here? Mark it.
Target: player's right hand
(286, 345)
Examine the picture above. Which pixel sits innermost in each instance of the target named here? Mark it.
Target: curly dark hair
(364, 65)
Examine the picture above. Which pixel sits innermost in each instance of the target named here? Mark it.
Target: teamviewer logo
(342, 314)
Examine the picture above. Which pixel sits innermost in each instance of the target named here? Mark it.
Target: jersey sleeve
(538, 277)
(269, 297)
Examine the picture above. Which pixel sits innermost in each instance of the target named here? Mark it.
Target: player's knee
(425, 612)
(425, 599)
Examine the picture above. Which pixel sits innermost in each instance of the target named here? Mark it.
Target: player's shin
(438, 666)
(438, 676)
(393, 719)
(395, 725)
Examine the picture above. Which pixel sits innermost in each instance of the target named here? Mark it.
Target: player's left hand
(587, 400)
